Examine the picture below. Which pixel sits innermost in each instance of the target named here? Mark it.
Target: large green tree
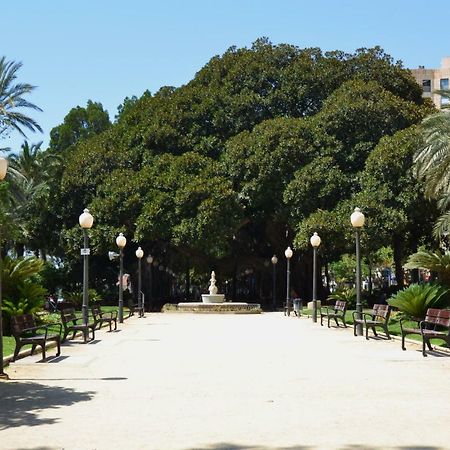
(264, 142)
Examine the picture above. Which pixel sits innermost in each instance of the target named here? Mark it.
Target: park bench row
(436, 324)
(26, 331)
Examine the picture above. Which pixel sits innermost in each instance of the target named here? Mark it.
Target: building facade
(432, 80)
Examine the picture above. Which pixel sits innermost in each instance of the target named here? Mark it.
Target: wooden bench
(25, 331)
(69, 322)
(379, 317)
(100, 317)
(336, 312)
(435, 326)
(134, 307)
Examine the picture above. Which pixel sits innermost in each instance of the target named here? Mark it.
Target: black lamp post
(121, 241)
(85, 220)
(357, 219)
(274, 261)
(315, 242)
(3, 375)
(139, 255)
(288, 253)
(150, 277)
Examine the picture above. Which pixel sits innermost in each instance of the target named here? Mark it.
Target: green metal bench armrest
(404, 320)
(362, 315)
(56, 324)
(40, 327)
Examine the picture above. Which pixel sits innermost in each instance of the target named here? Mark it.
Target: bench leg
(66, 332)
(33, 348)
(424, 353)
(43, 351)
(337, 323)
(343, 321)
(354, 328)
(387, 332)
(429, 345)
(110, 325)
(403, 341)
(115, 324)
(16, 351)
(374, 331)
(367, 333)
(58, 346)
(321, 320)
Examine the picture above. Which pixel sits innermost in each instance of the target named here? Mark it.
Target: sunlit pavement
(174, 381)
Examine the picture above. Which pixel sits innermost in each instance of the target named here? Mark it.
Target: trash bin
(297, 306)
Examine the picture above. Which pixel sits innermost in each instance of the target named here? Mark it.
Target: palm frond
(417, 298)
(442, 226)
(434, 261)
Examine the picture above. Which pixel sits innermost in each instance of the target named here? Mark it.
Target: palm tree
(30, 173)
(12, 99)
(432, 162)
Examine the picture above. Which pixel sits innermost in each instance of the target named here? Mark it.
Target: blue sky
(105, 50)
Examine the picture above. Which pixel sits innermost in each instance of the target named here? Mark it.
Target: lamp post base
(4, 376)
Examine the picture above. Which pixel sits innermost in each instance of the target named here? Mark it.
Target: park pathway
(217, 382)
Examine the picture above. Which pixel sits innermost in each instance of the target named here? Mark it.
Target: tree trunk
(188, 282)
(19, 249)
(398, 246)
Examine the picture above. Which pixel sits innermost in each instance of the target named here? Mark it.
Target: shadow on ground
(21, 402)
(229, 446)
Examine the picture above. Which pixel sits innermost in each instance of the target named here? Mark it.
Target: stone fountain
(214, 303)
(213, 296)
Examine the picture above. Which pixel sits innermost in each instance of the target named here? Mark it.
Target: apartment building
(434, 79)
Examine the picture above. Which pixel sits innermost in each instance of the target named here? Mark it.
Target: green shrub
(12, 308)
(22, 293)
(76, 297)
(414, 301)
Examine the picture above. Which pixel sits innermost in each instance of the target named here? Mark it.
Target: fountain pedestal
(213, 296)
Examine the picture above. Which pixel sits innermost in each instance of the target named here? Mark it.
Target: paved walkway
(216, 382)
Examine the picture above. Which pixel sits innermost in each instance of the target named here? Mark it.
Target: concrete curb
(24, 353)
(393, 337)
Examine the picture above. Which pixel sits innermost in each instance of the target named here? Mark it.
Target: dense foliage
(262, 147)
(417, 298)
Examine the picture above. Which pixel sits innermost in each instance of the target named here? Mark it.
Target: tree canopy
(262, 147)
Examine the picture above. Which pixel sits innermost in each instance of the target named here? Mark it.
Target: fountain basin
(214, 308)
(213, 298)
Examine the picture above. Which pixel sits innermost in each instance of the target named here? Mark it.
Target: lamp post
(315, 242)
(3, 375)
(85, 220)
(357, 219)
(121, 241)
(150, 299)
(139, 255)
(288, 253)
(274, 261)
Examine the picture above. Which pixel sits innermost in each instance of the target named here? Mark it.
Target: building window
(426, 85)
